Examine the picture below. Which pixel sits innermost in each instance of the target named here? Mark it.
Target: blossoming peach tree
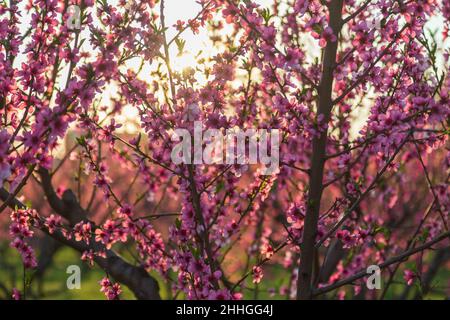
(358, 91)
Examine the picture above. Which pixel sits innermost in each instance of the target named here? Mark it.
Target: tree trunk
(305, 275)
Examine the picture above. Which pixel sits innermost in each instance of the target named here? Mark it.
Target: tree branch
(305, 274)
(385, 264)
(135, 278)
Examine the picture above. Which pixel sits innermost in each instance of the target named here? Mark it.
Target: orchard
(276, 149)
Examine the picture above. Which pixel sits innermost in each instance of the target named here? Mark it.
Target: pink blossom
(409, 276)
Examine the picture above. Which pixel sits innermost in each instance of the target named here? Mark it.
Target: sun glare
(183, 61)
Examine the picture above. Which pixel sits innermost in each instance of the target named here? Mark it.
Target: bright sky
(184, 10)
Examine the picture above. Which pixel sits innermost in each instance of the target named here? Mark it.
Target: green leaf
(219, 187)
(178, 223)
(180, 45)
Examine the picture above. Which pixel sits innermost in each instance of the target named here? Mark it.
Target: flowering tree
(359, 91)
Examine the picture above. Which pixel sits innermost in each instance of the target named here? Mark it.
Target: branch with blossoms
(359, 91)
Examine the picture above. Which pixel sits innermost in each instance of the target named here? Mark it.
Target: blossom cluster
(359, 92)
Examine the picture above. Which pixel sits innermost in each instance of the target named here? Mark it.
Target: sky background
(185, 10)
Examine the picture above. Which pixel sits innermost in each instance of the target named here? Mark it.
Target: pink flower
(20, 230)
(83, 231)
(126, 210)
(16, 294)
(194, 25)
(31, 139)
(257, 273)
(111, 291)
(179, 25)
(223, 294)
(409, 276)
(327, 36)
(52, 222)
(89, 257)
(348, 239)
(267, 251)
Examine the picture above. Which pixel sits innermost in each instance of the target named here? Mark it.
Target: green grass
(54, 282)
